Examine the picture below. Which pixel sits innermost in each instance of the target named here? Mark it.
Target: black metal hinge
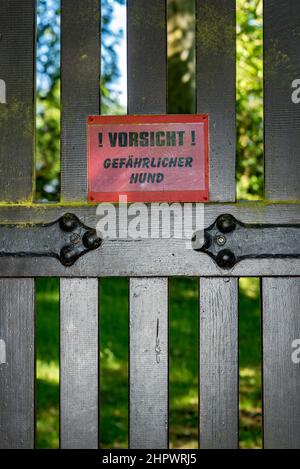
(228, 241)
(66, 239)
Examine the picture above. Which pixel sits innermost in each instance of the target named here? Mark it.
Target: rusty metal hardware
(228, 241)
(66, 239)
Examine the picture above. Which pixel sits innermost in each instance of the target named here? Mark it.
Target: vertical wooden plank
(281, 368)
(80, 90)
(79, 363)
(17, 50)
(215, 78)
(147, 56)
(218, 363)
(215, 90)
(148, 363)
(147, 94)
(17, 363)
(282, 99)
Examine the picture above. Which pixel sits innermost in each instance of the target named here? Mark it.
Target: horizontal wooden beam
(148, 257)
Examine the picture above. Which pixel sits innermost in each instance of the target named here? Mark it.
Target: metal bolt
(91, 240)
(226, 223)
(226, 259)
(220, 239)
(68, 222)
(68, 256)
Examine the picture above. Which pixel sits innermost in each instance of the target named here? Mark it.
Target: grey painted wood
(17, 367)
(147, 56)
(17, 26)
(215, 90)
(281, 370)
(218, 363)
(282, 115)
(149, 363)
(80, 90)
(147, 94)
(149, 257)
(79, 363)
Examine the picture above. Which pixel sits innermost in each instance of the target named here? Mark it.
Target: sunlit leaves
(249, 99)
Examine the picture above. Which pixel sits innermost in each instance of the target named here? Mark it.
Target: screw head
(91, 240)
(220, 239)
(226, 259)
(226, 223)
(68, 222)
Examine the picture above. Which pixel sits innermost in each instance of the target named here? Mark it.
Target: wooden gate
(147, 84)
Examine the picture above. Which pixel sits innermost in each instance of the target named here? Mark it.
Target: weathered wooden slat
(215, 68)
(79, 363)
(215, 91)
(281, 99)
(149, 363)
(80, 90)
(281, 367)
(218, 363)
(17, 46)
(17, 363)
(147, 56)
(149, 257)
(147, 94)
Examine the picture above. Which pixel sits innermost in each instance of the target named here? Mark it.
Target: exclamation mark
(100, 137)
(193, 137)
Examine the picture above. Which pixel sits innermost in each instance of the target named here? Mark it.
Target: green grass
(183, 387)
(183, 361)
(47, 351)
(114, 363)
(249, 358)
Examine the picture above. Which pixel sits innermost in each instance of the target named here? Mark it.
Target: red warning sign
(148, 158)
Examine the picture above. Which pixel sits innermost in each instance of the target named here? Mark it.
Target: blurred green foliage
(48, 100)
(249, 96)
(48, 89)
(181, 56)
(249, 99)
(48, 144)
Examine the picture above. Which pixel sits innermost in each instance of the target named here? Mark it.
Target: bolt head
(220, 239)
(68, 256)
(68, 222)
(226, 223)
(226, 259)
(91, 240)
